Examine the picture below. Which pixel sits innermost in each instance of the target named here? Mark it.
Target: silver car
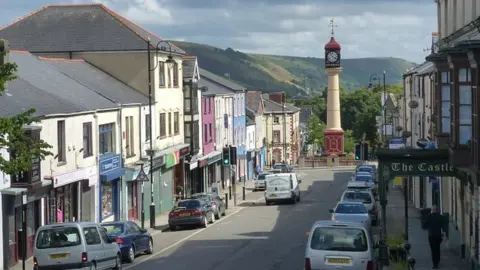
(339, 245)
(76, 245)
(260, 181)
(351, 212)
(368, 200)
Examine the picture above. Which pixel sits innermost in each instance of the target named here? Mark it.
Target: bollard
(243, 193)
(226, 200)
(230, 192)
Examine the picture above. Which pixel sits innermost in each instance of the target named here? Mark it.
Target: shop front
(201, 179)
(133, 180)
(179, 172)
(151, 192)
(30, 191)
(111, 171)
(190, 175)
(214, 171)
(250, 164)
(73, 196)
(166, 185)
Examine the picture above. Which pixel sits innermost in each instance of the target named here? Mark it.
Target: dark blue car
(131, 239)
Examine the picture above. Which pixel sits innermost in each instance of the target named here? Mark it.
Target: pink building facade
(208, 124)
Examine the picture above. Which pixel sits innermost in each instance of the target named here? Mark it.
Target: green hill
(298, 76)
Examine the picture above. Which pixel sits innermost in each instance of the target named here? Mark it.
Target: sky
(364, 28)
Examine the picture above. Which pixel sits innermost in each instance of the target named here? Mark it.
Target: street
(253, 236)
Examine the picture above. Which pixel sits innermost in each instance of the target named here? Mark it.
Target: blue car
(131, 239)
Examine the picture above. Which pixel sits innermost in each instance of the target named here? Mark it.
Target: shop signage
(202, 162)
(158, 162)
(89, 173)
(35, 173)
(412, 168)
(184, 151)
(171, 159)
(110, 164)
(214, 158)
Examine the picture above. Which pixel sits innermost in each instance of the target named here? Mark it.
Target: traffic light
(358, 153)
(233, 155)
(226, 155)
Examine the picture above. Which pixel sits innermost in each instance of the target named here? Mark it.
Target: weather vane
(332, 25)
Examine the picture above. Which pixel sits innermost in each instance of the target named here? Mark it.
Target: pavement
(252, 236)
(418, 238)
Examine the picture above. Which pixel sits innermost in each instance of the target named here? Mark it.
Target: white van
(282, 187)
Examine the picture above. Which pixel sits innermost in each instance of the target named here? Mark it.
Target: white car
(367, 198)
(260, 181)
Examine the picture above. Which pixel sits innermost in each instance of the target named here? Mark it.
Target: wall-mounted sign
(158, 162)
(417, 168)
(111, 163)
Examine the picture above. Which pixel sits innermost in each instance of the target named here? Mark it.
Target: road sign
(142, 176)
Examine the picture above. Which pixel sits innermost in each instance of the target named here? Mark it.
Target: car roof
(353, 184)
(115, 222)
(357, 191)
(280, 174)
(78, 224)
(331, 223)
(350, 202)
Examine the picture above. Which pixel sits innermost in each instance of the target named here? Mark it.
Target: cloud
(366, 28)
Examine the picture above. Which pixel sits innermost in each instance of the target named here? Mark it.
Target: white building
(251, 138)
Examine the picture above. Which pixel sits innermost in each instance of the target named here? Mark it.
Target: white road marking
(185, 238)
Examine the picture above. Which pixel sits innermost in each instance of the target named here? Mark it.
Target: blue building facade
(240, 132)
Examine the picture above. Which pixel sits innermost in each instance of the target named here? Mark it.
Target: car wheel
(298, 198)
(131, 254)
(118, 263)
(223, 213)
(172, 228)
(217, 215)
(212, 217)
(294, 200)
(150, 247)
(205, 222)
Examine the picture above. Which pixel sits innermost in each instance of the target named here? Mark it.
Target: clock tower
(333, 134)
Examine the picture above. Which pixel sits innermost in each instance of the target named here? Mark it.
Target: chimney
(277, 97)
(4, 50)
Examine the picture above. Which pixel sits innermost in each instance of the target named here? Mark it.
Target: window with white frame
(464, 106)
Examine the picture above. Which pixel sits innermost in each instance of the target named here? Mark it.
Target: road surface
(254, 236)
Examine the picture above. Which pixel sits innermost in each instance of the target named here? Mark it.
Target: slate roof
(188, 67)
(78, 28)
(47, 78)
(20, 96)
(253, 100)
(274, 107)
(95, 79)
(220, 80)
(214, 88)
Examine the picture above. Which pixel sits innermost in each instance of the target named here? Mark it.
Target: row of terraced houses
(88, 73)
(444, 94)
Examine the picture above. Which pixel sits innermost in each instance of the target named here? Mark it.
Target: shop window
(107, 199)
(107, 138)
(61, 145)
(87, 140)
(91, 236)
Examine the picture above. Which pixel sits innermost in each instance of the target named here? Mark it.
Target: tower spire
(332, 25)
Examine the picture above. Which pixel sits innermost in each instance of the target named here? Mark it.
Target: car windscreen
(204, 197)
(365, 169)
(190, 204)
(58, 237)
(114, 229)
(363, 178)
(262, 176)
(339, 239)
(358, 196)
(350, 208)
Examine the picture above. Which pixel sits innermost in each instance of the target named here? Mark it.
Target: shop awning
(214, 157)
(13, 191)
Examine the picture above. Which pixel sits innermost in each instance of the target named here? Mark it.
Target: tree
(315, 131)
(12, 132)
(348, 141)
(367, 123)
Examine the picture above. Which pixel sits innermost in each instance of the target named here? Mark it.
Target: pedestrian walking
(435, 235)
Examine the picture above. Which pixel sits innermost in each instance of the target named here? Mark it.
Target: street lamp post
(284, 129)
(169, 63)
(24, 230)
(376, 77)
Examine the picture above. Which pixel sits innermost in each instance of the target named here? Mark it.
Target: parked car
(282, 187)
(191, 212)
(285, 168)
(339, 245)
(75, 245)
(367, 198)
(131, 239)
(367, 168)
(351, 212)
(260, 181)
(218, 205)
(367, 178)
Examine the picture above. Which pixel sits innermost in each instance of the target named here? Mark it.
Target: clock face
(332, 57)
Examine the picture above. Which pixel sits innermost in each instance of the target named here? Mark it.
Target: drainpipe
(120, 182)
(98, 215)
